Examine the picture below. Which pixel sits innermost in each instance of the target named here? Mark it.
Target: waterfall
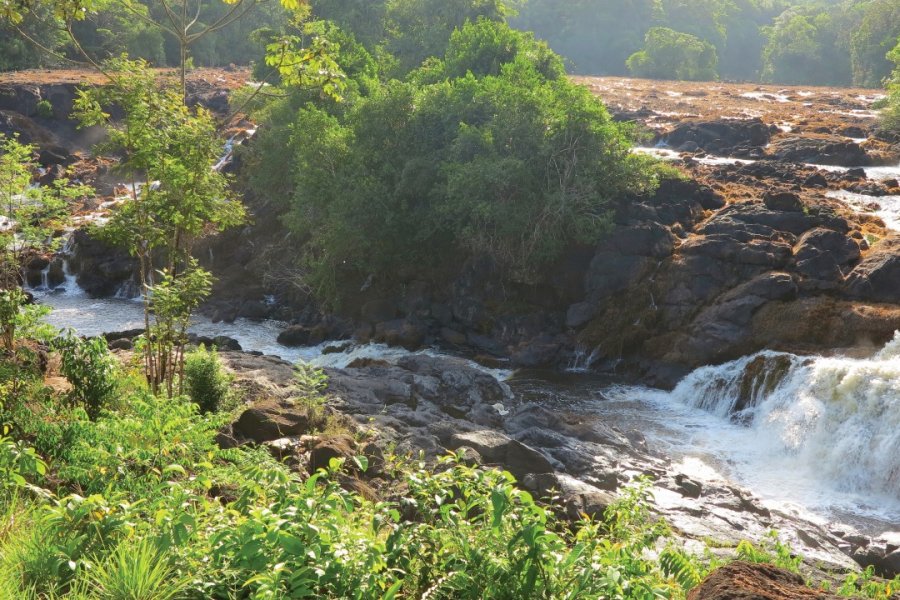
(836, 417)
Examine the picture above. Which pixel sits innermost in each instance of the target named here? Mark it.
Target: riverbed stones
(499, 449)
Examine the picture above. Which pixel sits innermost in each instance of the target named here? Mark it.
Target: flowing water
(817, 435)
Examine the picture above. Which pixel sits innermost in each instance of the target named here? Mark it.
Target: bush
(504, 158)
(91, 369)
(205, 381)
(669, 54)
(44, 109)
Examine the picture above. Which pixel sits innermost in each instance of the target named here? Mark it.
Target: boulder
(270, 420)
(877, 277)
(748, 581)
(497, 448)
(722, 136)
(820, 150)
(335, 446)
(295, 335)
(575, 497)
(784, 201)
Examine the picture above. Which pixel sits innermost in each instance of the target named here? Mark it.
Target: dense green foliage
(205, 382)
(490, 151)
(891, 114)
(669, 54)
(788, 41)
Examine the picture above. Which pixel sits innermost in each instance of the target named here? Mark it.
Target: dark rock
(255, 310)
(497, 448)
(815, 180)
(822, 150)
(407, 333)
(451, 336)
(877, 277)
(56, 275)
(123, 344)
(722, 136)
(580, 314)
(539, 352)
(270, 420)
(741, 580)
(782, 201)
(376, 311)
(688, 487)
(338, 446)
(295, 335)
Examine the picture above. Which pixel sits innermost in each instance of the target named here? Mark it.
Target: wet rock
(56, 275)
(741, 580)
(688, 487)
(255, 310)
(295, 335)
(408, 333)
(539, 352)
(497, 448)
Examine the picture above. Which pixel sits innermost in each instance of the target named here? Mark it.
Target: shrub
(91, 369)
(44, 109)
(205, 382)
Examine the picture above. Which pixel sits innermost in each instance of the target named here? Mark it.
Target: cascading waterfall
(839, 418)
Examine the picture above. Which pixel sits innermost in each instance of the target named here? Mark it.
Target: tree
(185, 22)
(497, 155)
(890, 115)
(669, 54)
(418, 29)
(805, 46)
(168, 152)
(871, 41)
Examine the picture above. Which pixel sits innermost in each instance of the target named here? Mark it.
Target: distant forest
(828, 42)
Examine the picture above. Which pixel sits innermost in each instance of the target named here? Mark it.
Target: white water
(886, 207)
(819, 435)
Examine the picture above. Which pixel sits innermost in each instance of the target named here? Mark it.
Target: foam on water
(886, 207)
(815, 434)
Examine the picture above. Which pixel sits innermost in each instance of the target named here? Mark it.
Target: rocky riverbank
(434, 405)
(737, 257)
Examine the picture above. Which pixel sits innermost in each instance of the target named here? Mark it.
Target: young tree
(29, 216)
(168, 152)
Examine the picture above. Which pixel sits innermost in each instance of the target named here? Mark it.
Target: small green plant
(91, 369)
(133, 571)
(44, 109)
(205, 381)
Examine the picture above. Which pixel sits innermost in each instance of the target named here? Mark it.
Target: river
(817, 436)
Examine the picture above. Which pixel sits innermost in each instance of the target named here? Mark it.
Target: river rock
(783, 201)
(820, 150)
(335, 446)
(497, 448)
(729, 137)
(877, 277)
(741, 580)
(295, 335)
(271, 420)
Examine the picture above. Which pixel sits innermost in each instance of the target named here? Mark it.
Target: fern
(682, 568)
